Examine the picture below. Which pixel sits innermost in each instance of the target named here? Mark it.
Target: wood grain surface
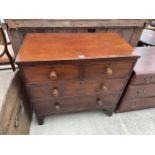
(69, 72)
(28, 23)
(140, 93)
(73, 46)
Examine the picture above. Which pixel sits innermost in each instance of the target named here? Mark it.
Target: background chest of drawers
(140, 93)
(72, 72)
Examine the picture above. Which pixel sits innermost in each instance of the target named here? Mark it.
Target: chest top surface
(146, 62)
(72, 46)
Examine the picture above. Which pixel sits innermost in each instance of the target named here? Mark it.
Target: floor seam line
(123, 126)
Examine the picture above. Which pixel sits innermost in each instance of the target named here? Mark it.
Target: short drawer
(139, 91)
(136, 104)
(71, 104)
(143, 79)
(38, 74)
(108, 69)
(75, 88)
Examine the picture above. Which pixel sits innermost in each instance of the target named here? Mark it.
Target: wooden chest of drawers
(71, 72)
(140, 93)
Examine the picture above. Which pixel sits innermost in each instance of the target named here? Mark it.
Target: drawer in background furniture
(108, 69)
(136, 104)
(38, 74)
(75, 88)
(139, 91)
(143, 79)
(78, 103)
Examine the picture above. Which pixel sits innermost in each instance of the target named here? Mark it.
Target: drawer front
(38, 74)
(140, 91)
(74, 88)
(108, 69)
(143, 79)
(136, 104)
(71, 104)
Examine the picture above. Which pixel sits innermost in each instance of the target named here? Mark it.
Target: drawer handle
(133, 104)
(53, 75)
(55, 92)
(108, 71)
(104, 88)
(57, 106)
(99, 101)
(141, 93)
(149, 79)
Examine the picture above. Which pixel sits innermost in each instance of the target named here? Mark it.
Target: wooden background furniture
(15, 112)
(129, 29)
(67, 72)
(140, 93)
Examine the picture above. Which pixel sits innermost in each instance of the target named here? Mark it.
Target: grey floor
(97, 123)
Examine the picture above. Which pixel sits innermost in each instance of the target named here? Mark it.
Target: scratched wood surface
(72, 46)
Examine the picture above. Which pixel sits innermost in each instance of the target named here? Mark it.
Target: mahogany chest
(140, 93)
(70, 72)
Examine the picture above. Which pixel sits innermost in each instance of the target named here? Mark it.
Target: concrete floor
(97, 123)
(6, 77)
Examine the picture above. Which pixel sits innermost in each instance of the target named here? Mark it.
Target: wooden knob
(53, 75)
(104, 88)
(57, 106)
(141, 92)
(55, 92)
(99, 101)
(108, 70)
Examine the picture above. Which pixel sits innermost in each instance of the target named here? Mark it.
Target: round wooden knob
(55, 92)
(99, 101)
(53, 75)
(57, 106)
(108, 70)
(104, 88)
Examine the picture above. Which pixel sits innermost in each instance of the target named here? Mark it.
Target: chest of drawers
(72, 72)
(140, 93)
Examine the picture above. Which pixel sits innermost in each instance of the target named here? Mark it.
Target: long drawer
(136, 104)
(74, 88)
(44, 73)
(143, 79)
(140, 91)
(71, 104)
